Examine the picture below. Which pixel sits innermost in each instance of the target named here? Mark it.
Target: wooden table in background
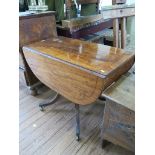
(84, 30)
(117, 12)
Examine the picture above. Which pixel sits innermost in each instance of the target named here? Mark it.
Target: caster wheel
(78, 138)
(41, 108)
(33, 92)
(105, 143)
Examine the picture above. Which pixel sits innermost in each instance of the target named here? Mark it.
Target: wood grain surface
(32, 28)
(123, 32)
(53, 132)
(81, 21)
(78, 70)
(76, 85)
(119, 112)
(36, 27)
(119, 125)
(98, 59)
(116, 33)
(116, 12)
(123, 91)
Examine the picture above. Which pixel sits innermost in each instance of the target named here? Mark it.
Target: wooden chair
(119, 13)
(108, 33)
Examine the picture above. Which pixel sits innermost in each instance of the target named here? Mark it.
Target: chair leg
(42, 105)
(77, 121)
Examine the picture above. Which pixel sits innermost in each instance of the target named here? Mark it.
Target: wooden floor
(52, 132)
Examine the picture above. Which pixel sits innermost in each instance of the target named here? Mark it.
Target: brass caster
(33, 92)
(41, 108)
(53, 100)
(78, 138)
(105, 143)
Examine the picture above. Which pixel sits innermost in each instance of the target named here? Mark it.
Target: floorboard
(52, 132)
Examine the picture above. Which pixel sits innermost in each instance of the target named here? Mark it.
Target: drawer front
(118, 13)
(119, 125)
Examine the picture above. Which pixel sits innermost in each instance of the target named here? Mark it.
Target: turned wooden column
(119, 13)
(116, 32)
(123, 32)
(116, 42)
(68, 8)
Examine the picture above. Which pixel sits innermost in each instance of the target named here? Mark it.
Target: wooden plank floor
(52, 132)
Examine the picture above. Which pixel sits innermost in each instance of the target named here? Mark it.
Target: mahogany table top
(95, 58)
